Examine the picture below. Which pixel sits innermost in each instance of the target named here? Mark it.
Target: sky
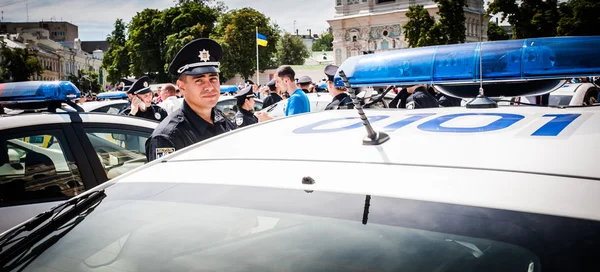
(95, 18)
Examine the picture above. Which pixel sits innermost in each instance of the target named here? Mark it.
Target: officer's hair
(286, 71)
(240, 102)
(170, 88)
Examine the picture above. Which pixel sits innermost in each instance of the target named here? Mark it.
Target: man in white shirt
(169, 97)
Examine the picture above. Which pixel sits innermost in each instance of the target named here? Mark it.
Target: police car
(51, 156)
(318, 102)
(379, 190)
(228, 105)
(575, 94)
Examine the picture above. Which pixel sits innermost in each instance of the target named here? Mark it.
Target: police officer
(196, 66)
(141, 104)
(341, 99)
(304, 83)
(274, 96)
(245, 105)
(414, 97)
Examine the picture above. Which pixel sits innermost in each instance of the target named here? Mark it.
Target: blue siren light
(38, 91)
(512, 60)
(229, 89)
(113, 95)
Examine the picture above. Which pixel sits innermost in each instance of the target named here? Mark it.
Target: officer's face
(250, 102)
(146, 98)
(201, 90)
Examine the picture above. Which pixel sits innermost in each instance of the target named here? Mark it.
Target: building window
(385, 45)
(339, 2)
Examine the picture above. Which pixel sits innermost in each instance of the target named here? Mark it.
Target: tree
(116, 59)
(579, 18)
(324, 42)
(18, 64)
(529, 18)
(291, 50)
(157, 36)
(496, 32)
(144, 45)
(452, 20)
(236, 32)
(421, 28)
(86, 82)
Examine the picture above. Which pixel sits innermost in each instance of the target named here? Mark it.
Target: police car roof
(508, 158)
(571, 88)
(32, 119)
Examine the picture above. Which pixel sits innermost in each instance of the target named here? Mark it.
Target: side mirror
(14, 159)
(120, 137)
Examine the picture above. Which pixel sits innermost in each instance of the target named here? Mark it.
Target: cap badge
(145, 84)
(204, 55)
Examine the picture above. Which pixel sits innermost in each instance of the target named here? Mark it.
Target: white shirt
(170, 104)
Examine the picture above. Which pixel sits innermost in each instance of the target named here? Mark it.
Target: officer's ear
(181, 83)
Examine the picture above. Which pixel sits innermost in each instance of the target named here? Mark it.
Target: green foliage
(144, 44)
(421, 28)
(18, 64)
(116, 59)
(324, 42)
(579, 18)
(291, 50)
(236, 32)
(452, 21)
(157, 36)
(86, 81)
(529, 18)
(496, 32)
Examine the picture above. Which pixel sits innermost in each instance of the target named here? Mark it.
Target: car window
(258, 105)
(119, 150)
(37, 168)
(560, 100)
(228, 107)
(111, 109)
(180, 227)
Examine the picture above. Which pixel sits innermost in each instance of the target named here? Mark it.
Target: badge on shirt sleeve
(410, 105)
(157, 116)
(163, 151)
(239, 120)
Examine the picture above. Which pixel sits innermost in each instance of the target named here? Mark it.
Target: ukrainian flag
(261, 39)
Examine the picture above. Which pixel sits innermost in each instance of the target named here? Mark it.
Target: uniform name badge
(239, 120)
(163, 151)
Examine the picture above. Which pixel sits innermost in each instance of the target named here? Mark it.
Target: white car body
(13, 215)
(107, 106)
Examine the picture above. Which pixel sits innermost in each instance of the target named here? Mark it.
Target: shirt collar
(195, 119)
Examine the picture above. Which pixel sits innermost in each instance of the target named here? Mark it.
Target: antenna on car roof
(373, 137)
(481, 101)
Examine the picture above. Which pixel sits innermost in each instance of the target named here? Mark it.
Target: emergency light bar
(113, 95)
(38, 91)
(229, 89)
(38, 95)
(512, 60)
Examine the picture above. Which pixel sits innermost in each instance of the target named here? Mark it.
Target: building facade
(58, 31)
(59, 61)
(376, 25)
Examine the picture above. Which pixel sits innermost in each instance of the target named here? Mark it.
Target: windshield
(181, 227)
(560, 100)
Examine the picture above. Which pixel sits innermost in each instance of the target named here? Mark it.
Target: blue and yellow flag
(261, 39)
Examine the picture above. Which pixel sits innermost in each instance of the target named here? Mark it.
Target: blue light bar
(229, 88)
(113, 95)
(38, 91)
(322, 85)
(513, 60)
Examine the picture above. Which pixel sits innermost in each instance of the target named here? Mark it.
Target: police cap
(198, 57)
(140, 86)
(245, 93)
(330, 71)
(272, 85)
(304, 80)
(127, 82)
